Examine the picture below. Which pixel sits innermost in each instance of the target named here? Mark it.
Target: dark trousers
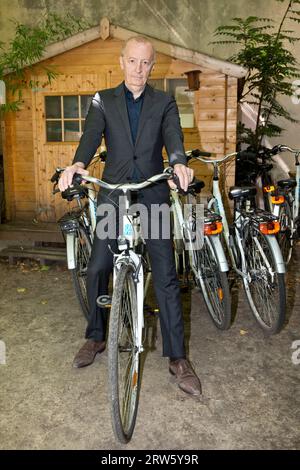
(166, 287)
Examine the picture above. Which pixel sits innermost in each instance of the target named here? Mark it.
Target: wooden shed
(45, 132)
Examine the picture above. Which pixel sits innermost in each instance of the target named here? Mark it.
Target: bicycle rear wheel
(82, 253)
(213, 284)
(285, 235)
(266, 288)
(123, 355)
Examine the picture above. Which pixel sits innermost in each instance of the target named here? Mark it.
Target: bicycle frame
(132, 236)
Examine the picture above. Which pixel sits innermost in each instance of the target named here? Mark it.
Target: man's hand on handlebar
(67, 176)
(185, 176)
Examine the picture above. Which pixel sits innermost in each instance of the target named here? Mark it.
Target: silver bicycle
(126, 323)
(253, 249)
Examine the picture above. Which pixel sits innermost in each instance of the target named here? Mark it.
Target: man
(136, 122)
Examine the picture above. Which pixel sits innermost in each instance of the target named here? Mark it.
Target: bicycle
(289, 213)
(78, 226)
(125, 338)
(206, 258)
(253, 249)
(280, 197)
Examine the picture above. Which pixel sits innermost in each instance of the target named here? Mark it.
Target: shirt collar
(129, 94)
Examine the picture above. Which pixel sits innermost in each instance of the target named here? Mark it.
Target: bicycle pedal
(150, 310)
(104, 301)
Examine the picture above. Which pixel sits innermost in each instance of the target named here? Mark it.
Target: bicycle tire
(123, 356)
(266, 296)
(82, 253)
(285, 234)
(214, 285)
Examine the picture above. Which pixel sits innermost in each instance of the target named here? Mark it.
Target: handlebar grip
(200, 153)
(54, 177)
(179, 188)
(77, 179)
(275, 150)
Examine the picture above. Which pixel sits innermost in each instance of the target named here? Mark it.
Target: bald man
(136, 121)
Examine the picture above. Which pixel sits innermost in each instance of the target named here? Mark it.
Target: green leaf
(262, 50)
(44, 267)
(27, 47)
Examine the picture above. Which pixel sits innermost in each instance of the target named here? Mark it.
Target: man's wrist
(80, 164)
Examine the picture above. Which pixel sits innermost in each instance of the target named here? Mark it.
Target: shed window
(65, 117)
(177, 87)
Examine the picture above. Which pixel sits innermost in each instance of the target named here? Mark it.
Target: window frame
(80, 119)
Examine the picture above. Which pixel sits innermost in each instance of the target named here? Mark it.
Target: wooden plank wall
(29, 160)
(19, 165)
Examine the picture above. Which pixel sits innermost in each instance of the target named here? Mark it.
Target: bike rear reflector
(277, 199)
(213, 228)
(269, 189)
(269, 228)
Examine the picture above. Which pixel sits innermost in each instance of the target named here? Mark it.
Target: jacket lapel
(146, 111)
(122, 107)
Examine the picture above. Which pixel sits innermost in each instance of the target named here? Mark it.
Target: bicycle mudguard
(263, 216)
(218, 248)
(70, 242)
(276, 251)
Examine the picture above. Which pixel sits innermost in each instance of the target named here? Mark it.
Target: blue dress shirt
(134, 107)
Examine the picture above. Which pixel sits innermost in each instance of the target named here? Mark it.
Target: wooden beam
(104, 28)
(70, 43)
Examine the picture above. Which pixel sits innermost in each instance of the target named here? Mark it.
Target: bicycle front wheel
(213, 284)
(82, 253)
(265, 288)
(123, 355)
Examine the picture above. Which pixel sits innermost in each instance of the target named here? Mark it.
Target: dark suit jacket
(159, 125)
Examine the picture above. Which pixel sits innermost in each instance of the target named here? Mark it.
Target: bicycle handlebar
(285, 148)
(196, 153)
(167, 174)
(216, 160)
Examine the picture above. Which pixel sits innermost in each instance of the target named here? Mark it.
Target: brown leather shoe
(87, 353)
(186, 378)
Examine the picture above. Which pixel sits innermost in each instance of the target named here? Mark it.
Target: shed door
(59, 111)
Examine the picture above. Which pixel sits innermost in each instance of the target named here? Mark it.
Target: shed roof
(106, 30)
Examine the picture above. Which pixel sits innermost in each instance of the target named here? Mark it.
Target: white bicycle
(197, 235)
(125, 338)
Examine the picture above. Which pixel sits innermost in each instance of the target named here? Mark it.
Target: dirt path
(251, 387)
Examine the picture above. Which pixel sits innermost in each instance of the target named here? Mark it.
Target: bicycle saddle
(237, 192)
(288, 183)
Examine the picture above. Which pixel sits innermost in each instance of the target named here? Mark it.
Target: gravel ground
(251, 396)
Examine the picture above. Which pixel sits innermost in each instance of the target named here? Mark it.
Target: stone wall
(188, 23)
